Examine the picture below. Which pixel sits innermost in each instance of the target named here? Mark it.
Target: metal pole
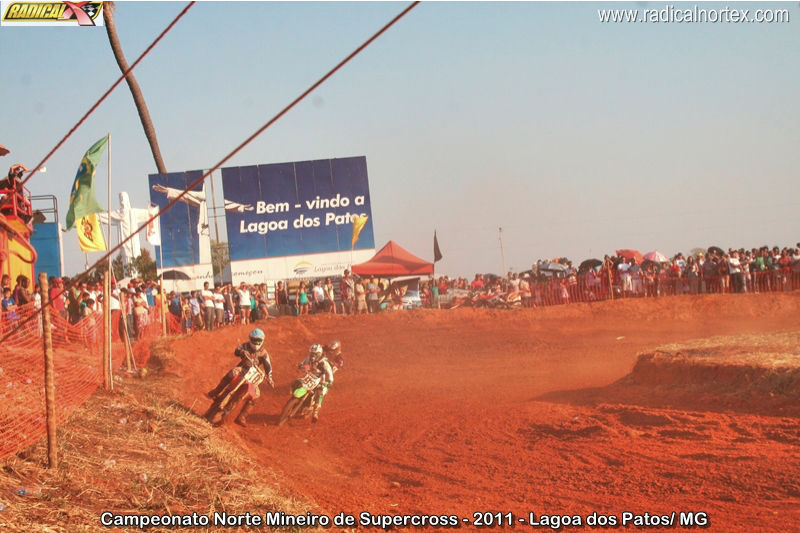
(216, 229)
(162, 298)
(107, 331)
(108, 368)
(49, 374)
(502, 254)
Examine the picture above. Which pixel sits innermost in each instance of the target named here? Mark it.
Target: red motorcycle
(243, 385)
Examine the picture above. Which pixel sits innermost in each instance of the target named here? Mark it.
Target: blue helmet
(257, 338)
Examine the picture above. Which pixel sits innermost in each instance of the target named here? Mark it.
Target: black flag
(437, 254)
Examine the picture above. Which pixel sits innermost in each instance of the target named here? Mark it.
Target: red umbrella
(4, 150)
(631, 254)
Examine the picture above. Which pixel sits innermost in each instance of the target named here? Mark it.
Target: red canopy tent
(391, 261)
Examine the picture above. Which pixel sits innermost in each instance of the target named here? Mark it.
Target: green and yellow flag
(358, 225)
(82, 201)
(90, 236)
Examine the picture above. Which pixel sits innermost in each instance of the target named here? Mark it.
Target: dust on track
(464, 411)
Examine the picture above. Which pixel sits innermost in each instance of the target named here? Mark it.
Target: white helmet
(315, 353)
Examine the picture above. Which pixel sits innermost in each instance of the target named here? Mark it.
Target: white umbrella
(656, 257)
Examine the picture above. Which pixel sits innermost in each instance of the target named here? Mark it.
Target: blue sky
(574, 136)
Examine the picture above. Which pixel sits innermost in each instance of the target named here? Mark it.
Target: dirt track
(457, 412)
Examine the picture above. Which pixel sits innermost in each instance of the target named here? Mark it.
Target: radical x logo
(51, 13)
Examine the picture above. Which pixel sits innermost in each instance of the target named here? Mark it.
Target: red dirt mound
(466, 411)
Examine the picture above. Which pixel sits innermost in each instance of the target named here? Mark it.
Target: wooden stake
(162, 301)
(49, 374)
(126, 333)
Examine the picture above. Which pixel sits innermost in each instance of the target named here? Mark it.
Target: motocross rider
(323, 362)
(251, 353)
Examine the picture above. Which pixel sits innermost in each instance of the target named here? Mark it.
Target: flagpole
(434, 305)
(107, 298)
(437, 254)
(161, 262)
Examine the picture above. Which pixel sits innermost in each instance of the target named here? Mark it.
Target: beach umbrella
(174, 275)
(552, 266)
(656, 257)
(4, 150)
(589, 263)
(631, 254)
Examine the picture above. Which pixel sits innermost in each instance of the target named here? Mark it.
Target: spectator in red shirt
(477, 283)
(57, 297)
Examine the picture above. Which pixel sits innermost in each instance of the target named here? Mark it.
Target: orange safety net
(146, 329)
(77, 354)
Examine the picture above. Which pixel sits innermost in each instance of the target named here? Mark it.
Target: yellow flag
(358, 225)
(90, 236)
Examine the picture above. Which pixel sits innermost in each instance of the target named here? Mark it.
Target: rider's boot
(315, 412)
(226, 379)
(246, 408)
(225, 413)
(211, 413)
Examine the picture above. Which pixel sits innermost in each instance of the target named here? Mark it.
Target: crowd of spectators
(224, 305)
(626, 275)
(622, 275)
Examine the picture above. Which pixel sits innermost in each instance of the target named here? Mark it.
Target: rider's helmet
(315, 353)
(256, 339)
(333, 351)
(334, 348)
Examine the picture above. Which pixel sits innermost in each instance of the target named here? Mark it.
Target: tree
(136, 91)
(145, 266)
(220, 256)
(697, 252)
(117, 267)
(97, 274)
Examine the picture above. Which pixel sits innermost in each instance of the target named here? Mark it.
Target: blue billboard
(294, 209)
(46, 240)
(185, 251)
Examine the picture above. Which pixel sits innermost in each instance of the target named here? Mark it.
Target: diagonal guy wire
(244, 143)
(107, 93)
(258, 132)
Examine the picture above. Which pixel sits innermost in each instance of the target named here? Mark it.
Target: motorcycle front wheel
(289, 409)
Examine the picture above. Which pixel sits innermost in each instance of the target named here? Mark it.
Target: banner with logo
(39, 13)
(184, 256)
(295, 220)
